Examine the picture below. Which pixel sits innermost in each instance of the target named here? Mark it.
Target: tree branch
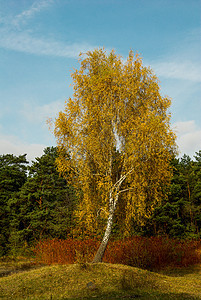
(125, 190)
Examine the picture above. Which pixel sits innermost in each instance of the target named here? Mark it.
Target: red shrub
(65, 251)
(153, 253)
(148, 253)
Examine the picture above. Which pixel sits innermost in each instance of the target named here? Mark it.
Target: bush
(153, 253)
(67, 251)
(148, 253)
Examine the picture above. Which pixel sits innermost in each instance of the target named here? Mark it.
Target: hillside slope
(99, 281)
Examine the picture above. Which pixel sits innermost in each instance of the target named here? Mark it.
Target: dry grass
(11, 265)
(100, 281)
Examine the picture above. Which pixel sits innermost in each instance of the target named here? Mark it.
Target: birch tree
(116, 107)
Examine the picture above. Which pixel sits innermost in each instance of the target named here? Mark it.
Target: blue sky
(39, 45)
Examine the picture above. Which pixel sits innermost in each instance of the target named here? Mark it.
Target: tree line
(38, 203)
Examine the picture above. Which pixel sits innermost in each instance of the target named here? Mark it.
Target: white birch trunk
(101, 250)
(112, 206)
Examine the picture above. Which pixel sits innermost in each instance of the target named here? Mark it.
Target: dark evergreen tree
(196, 193)
(44, 205)
(179, 215)
(13, 175)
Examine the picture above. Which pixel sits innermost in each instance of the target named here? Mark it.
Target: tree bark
(112, 202)
(101, 250)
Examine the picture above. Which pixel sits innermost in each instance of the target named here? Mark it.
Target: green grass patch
(99, 281)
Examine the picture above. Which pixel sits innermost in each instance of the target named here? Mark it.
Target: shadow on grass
(137, 295)
(180, 272)
(9, 269)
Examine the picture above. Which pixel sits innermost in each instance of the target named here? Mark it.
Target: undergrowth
(148, 253)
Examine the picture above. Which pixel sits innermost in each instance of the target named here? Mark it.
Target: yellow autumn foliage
(116, 128)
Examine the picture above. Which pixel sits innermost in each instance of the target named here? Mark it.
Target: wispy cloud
(35, 8)
(13, 36)
(184, 61)
(34, 121)
(13, 145)
(178, 70)
(188, 137)
(25, 42)
(17, 21)
(41, 113)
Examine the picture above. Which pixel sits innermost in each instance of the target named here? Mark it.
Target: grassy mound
(99, 281)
